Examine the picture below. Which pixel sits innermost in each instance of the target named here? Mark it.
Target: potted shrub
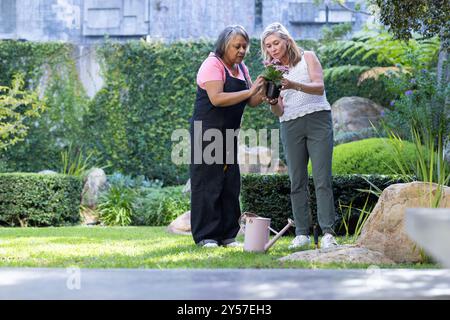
(273, 74)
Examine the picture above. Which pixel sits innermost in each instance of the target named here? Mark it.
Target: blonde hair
(293, 51)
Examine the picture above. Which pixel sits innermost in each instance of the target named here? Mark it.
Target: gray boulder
(94, 183)
(355, 114)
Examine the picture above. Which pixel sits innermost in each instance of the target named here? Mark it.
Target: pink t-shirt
(213, 70)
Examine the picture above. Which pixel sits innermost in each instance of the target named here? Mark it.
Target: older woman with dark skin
(306, 132)
(224, 88)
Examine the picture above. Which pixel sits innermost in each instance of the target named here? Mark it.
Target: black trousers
(215, 208)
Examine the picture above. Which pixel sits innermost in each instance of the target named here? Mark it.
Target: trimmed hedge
(369, 156)
(269, 196)
(38, 200)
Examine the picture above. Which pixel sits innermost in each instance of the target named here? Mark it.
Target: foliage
(369, 156)
(363, 65)
(269, 196)
(74, 162)
(274, 71)
(344, 81)
(160, 206)
(115, 206)
(428, 165)
(49, 68)
(138, 201)
(336, 32)
(39, 200)
(420, 101)
(126, 181)
(341, 137)
(387, 51)
(427, 17)
(16, 106)
(348, 216)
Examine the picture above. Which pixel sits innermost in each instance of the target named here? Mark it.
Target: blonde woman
(306, 132)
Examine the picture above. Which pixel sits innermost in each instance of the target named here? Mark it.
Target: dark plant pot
(272, 90)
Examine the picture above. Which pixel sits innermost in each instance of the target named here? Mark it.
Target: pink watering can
(257, 232)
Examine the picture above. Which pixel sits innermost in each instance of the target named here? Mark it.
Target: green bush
(115, 206)
(349, 136)
(38, 200)
(368, 156)
(159, 206)
(269, 196)
(343, 81)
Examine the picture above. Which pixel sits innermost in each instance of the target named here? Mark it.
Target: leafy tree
(16, 105)
(426, 17)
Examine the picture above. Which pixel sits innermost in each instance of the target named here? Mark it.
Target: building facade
(88, 21)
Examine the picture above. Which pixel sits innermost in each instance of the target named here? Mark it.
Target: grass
(138, 247)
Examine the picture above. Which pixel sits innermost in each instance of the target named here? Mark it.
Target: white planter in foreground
(430, 229)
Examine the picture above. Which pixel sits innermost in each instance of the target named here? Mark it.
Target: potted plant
(273, 74)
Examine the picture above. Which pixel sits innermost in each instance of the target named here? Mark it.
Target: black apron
(215, 188)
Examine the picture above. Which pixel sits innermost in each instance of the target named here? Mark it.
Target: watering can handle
(278, 235)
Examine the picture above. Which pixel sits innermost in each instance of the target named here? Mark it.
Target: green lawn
(136, 247)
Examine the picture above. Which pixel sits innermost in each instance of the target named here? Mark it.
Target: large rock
(355, 114)
(384, 229)
(181, 225)
(89, 216)
(342, 254)
(94, 183)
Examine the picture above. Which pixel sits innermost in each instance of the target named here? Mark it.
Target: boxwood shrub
(38, 200)
(269, 196)
(369, 156)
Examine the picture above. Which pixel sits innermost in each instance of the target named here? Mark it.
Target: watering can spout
(278, 235)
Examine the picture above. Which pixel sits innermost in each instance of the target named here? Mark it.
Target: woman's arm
(276, 106)
(316, 86)
(258, 97)
(225, 99)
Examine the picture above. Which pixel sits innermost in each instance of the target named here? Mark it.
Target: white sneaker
(233, 244)
(328, 241)
(210, 245)
(300, 241)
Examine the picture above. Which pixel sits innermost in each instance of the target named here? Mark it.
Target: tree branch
(352, 10)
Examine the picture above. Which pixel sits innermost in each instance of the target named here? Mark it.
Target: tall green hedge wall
(49, 68)
(149, 91)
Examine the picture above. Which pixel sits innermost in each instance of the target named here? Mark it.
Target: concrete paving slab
(223, 284)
